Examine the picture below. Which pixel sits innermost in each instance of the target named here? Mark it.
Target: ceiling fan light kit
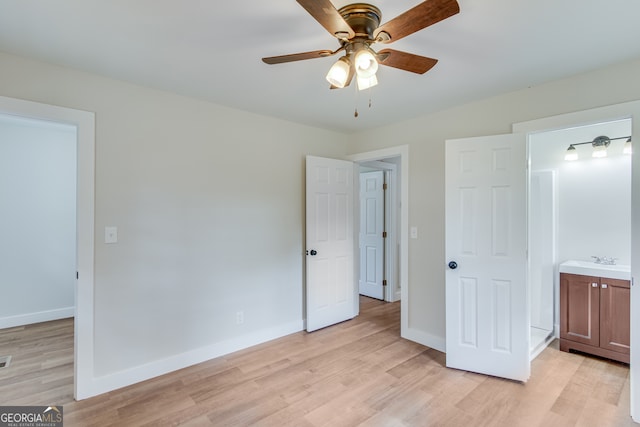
(357, 27)
(339, 73)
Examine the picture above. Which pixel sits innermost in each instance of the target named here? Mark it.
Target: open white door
(371, 234)
(330, 277)
(486, 288)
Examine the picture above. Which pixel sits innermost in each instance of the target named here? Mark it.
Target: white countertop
(588, 268)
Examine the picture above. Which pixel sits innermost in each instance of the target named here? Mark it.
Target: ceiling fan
(357, 27)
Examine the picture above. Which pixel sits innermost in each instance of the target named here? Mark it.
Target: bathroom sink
(587, 268)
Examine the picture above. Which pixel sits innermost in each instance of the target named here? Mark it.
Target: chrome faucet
(604, 260)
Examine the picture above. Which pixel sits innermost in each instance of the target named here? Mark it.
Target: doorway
(84, 123)
(38, 250)
(598, 115)
(398, 156)
(497, 162)
(577, 209)
(379, 230)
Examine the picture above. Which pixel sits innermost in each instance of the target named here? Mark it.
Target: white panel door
(330, 274)
(486, 289)
(371, 234)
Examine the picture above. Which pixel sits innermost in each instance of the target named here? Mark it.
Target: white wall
(594, 195)
(542, 247)
(209, 206)
(37, 221)
(426, 136)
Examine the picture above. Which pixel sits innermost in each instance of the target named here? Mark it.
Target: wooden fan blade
(327, 15)
(423, 15)
(297, 57)
(406, 61)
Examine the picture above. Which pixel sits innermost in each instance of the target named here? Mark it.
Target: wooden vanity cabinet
(595, 315)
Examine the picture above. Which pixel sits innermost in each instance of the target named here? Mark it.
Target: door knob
(453, 265)
(313, 252)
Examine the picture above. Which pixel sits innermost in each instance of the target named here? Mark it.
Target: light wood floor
(357, 373)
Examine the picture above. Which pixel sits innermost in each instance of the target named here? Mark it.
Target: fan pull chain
(355, 113)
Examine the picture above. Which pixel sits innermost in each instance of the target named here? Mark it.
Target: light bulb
(367, 82)
(600, 145)
(571, 154)
(339, 73)
(599, 151)
(366, 64)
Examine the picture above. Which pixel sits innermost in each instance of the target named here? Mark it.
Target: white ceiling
(212, 50)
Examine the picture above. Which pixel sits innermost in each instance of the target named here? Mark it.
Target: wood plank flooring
(357, 373)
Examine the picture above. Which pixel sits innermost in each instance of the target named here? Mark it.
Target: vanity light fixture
(600, 145)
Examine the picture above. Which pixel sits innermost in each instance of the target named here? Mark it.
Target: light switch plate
(111, 234)
(414, 232)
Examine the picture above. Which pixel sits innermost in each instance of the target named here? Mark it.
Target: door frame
(402, 152)
(84, 122)
(598, 115)
(390, 170)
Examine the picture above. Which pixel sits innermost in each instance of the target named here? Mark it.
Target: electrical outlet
(239, 317)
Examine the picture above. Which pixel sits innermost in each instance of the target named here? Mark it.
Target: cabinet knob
(604, 286)
(594, 285)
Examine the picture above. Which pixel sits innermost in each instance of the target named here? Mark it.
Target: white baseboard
(100, 385)
(421, 337)
(41, 316)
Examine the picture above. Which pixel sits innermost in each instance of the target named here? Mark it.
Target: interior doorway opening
(84, 123)
(38, 187)
(399, 156)
(560, 193)
(379, 229)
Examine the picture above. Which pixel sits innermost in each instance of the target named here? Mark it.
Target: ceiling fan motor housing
(363, 18)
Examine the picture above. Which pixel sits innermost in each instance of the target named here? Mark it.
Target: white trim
(426, 339)
(401, 151)
(84, 122)
(37, 317)
(179, 361)
(600, 115)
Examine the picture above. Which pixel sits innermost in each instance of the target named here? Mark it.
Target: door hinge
(384, 283)
(385, 186)
(77, 275)
(384, 234)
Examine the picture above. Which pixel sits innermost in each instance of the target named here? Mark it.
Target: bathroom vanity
(595, 309)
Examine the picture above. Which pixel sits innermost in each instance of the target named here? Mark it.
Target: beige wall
(209, 207)
(426, 137)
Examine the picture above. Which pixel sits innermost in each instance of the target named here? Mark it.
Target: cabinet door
(615, 321)
(580, 308)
